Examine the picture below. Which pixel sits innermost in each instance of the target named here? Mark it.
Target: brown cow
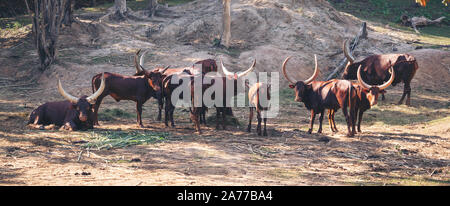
(320, 95)
(135, 88)
(255, 94)
(72, 114)
(375, 69)
(367, 96)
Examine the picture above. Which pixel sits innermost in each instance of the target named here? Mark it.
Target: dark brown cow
(256, 92)
(367, 96)
(135, 88)
(375, 69)
(320, 95)
(198, 112)
(72, 114)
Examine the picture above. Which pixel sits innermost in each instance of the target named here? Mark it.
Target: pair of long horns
(309, 80)
(91, 99)
(138, 63)
(238, 74)
(381, 87)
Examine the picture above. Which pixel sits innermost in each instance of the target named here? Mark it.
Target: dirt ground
(399, 145)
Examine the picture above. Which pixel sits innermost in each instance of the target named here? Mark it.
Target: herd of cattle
(373, 74)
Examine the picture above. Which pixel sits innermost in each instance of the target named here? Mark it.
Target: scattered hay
(118, 139)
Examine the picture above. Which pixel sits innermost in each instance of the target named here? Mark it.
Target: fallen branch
(362, 34)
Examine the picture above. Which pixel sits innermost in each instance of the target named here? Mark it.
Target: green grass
(389, 12)
(119, 139)
(112, 114)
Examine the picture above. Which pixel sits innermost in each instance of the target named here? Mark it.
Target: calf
(320, 95)
(72, 114)
(375, 69)
(259, 97)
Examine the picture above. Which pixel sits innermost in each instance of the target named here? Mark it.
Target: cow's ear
(291, 86)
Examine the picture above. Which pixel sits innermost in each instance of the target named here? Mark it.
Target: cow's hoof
(309, 131)
(350, 135)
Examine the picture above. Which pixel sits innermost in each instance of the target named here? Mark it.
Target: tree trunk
(120, 7)
(226, 22)
(68, 13)
(47, 17)
(152, 6)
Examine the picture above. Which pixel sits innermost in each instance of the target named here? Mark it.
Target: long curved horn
(141, 60)
(225, 70)
(164, 70)
(66, 95)
(91, 99)
(347, 53)
(389, 82)
(316, 72)
(283, 69)
(252, 67)
(365, 85)
(138, 68)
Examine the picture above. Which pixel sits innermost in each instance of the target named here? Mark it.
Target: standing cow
(72, 114)
(367, 96)
(320, 95)
(259, 97)
(375, 69)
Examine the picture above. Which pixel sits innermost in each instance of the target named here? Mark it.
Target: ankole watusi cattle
(258, 97)
(197, 113)
(72, 114)
(367, 96)
(208, 65)
(320, 95)
(135, 88)
(375, 69)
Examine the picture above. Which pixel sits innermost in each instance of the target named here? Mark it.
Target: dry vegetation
(399, 145)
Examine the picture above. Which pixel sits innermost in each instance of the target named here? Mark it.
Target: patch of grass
(133, 5)
(112, 114)
(15, 22)
(118, 139)
(389, 12)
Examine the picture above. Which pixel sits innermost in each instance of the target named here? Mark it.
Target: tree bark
(47, 17)
(68, 14)
(120, 7)
(226, 22)
(361, 34)
(152, 6)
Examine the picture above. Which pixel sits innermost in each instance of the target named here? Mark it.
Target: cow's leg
(166, 114)
(311, 121)
(70, 126)
(139, 114)
(218, 109)
(382, 97)
(172, 110)
(96, 107)
(360, 115)
(329, 120)
(224, 118)
(195, 118)
(250, 117)
(320, 122)
(258, 116)
(407, 93)
(334, 122)
(265, 131)
(160, 107)
(348, 120)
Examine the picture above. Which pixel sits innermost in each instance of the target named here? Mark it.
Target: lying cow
(72, 114)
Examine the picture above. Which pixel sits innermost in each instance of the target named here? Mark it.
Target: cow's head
(208, 65)
(155, 76)
(372, 91)
(300, 86)
(82, 105)
(352, 67)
